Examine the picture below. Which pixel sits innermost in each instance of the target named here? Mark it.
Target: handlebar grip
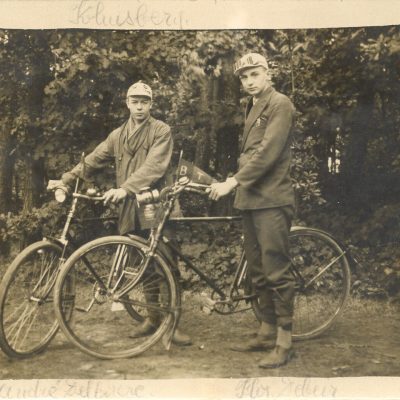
(84, 196)
(193, 190)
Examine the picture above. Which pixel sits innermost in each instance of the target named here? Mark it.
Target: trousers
(266, 246)
(154, 287)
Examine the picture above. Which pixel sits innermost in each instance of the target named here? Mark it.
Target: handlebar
(183, 184)
(61, 191)
(84, 196)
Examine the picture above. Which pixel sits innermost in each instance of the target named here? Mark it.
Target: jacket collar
(134, 137)
(254, 111)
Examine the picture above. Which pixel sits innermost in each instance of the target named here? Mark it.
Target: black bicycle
(27, 320)
(107, 275)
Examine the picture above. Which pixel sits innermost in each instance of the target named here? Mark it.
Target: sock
(267, 329)
(284, 338)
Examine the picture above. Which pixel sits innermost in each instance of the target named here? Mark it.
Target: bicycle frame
(133, 274)
(151, 247)
(156, 237)
(65, 241)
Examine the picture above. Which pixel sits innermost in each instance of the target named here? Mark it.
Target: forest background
(63, 91)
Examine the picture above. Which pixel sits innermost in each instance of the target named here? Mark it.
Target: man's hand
(54, 184)
(219, 190)
(114, 195)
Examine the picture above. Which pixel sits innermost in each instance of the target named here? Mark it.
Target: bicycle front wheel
(102, 323)
(27, 320)
(322, 281)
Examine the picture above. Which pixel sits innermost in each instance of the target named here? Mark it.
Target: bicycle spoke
(322, 282)
(46, 270)
(109, 315)
(32, 316)
(28, 322)
(319, 274)
(20, 324)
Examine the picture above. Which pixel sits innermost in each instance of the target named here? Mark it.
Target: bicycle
(27, 320)
(110, 272)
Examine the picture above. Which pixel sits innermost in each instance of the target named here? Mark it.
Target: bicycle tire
(99, 325)
(317, 303)
(27, 320)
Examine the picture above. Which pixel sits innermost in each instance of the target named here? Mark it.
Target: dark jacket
(141, 160)
(264, 162)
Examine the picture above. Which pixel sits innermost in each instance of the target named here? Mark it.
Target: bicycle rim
(101, 326)
(27, 320)
(322, 282)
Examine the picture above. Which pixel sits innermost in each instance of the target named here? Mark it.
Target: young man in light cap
(141, 149)
(265, 195)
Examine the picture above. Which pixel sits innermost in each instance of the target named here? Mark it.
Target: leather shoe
(146, 328)
(181, 339)
(259, 343)
(278, 357)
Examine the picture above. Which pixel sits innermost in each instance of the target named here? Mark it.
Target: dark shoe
(146, 328)
(259, 343)
(181, 339)
(278, 357)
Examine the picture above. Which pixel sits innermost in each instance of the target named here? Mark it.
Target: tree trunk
(225, 98)
(40, 77)
(353, 166)
(34, 183)
(7, 160)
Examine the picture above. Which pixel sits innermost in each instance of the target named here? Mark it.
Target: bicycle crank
(225, 307)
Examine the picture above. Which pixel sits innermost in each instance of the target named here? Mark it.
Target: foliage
(214, 248)
(63, 91)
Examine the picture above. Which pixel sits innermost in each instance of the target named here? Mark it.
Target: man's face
(254, 80)
(139, 107)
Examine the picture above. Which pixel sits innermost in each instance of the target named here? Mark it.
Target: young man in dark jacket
(265, 196)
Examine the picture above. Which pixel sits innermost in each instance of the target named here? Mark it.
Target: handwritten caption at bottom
(255, 388)
(71, 389)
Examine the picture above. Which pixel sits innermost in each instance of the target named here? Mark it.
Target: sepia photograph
(198, 212)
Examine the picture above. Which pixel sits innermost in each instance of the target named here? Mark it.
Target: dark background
(63, 91)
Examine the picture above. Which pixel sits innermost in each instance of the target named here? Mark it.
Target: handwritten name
(255, 388)
(70, 389)
(139, 16)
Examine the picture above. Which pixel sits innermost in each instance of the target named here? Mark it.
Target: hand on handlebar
(218, 190)
(54, 184)
(114, 195)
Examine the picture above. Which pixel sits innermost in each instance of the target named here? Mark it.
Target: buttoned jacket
(264, 162)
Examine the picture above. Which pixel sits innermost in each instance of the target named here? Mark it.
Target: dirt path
(364, 342)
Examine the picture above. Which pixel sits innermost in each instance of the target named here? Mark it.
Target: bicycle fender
(162, 250)
(345, 248)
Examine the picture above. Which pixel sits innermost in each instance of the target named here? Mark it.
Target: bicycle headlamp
(147, 197)
(60, 195)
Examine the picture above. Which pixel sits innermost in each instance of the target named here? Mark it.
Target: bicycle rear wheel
(101, 325)
(27, 320)
(322, 282)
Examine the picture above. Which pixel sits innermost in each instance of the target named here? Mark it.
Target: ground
(363, 342)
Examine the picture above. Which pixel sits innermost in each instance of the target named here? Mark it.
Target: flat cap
(140, 89)
(250, 60)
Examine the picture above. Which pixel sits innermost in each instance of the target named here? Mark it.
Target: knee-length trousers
(266, 245)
